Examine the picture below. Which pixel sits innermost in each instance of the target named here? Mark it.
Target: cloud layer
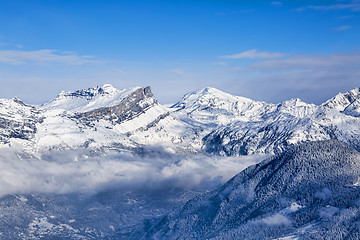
(253, 54)
(342, 28)
(42, 56)
(61, 174)
(328, 62)
(353, 6)
(309, 77)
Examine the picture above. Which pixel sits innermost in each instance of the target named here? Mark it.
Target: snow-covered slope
(342, 100)
(86, 100)
(310, 191)
(237, 126)
(214, 107)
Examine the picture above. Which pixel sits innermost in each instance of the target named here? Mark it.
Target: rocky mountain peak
(90, 92)
(19, 101)
(85, 100)
(131, 105)
(342, 100)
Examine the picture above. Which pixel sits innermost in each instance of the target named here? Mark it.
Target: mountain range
(105, 163)
(103, 119)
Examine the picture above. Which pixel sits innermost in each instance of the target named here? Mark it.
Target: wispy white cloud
(43, 56)
(253, 54)
(353, 6)
(342, 28)
(235, 12)
(309, 62)
(346, 17)
(313, 78)
(276, 3)
(181, 72)
(220, 63)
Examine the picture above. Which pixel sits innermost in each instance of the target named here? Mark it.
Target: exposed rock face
(17, 120)
(353, 109)
(130, 107)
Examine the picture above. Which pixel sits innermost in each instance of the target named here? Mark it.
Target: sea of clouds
(71, 172)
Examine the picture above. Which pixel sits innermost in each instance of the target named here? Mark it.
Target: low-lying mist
(67, 172)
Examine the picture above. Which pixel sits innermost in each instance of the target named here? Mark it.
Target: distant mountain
(309, 191)
(102, 119)
(247, 126)
(215, 108)
(341, 101)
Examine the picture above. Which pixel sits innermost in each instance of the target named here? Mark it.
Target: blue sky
(265, 50)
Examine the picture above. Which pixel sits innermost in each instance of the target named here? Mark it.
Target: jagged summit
(89, 93)
(129, 105)
(295, 102)
(86, 100)
(342, 100)
(297, 107)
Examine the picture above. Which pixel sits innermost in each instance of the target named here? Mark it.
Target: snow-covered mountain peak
(342, 100)
(214, 107)
(212, 98)
(355, 91)
(85, 100)
(297, 107)
(92, 92)
(11, 106)
(209, 92)
(19, 101)
(108, 88)
(295, 102)
(212, 91)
